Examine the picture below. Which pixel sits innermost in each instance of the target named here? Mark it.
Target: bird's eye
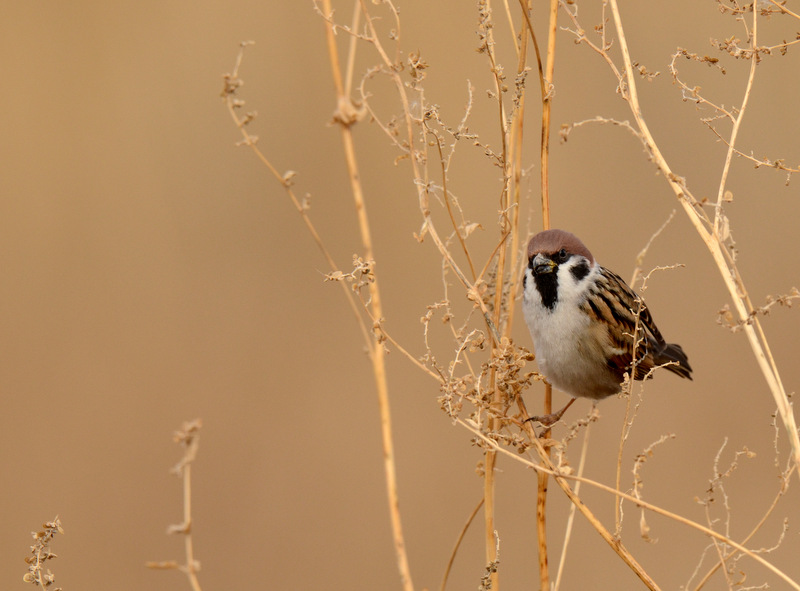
(562, 255)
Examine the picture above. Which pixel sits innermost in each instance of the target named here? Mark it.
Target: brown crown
(551, 241)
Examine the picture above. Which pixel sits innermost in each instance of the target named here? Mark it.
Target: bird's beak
(542, 264)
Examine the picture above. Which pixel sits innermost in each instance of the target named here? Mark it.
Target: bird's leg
(553, 417)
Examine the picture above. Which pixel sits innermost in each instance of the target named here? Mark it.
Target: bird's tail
(673, 355)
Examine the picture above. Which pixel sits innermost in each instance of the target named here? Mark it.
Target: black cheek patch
(580, 270)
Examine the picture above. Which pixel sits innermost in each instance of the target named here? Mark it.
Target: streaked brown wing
(618, 305)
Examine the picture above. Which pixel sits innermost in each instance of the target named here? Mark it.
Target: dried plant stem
(548, 467)
(191, 563)
(571, 518)
(545, 83)
(753, 532)
(40, 553)
(489, 461)
(526, 12)
(712, 239)
(448, 204)
(546, 108)
(510, 20)
(542, 478)
(376, 350)
(784, 9)
(403, 351)
(525, 6)
(616, 545)
(510, 205)
(188, 437)
(286, 182)
(351, 56)
(428, 227)
(626, 425)
(737, 122)
(490, 456)
(517, 135)
(457, 545)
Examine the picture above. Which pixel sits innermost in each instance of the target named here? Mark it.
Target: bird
(583, 317)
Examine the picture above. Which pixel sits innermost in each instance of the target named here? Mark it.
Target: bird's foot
(552, 418)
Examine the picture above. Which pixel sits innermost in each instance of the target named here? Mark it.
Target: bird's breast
(568, 348)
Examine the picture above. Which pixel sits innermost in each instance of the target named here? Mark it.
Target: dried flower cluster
(38, 574)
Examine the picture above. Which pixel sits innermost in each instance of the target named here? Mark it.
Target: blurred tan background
(153, 272)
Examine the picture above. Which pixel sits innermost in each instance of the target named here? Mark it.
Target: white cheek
(531, 298)
(571, 289)
(529, 288)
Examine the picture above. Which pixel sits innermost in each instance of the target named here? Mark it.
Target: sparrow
(583, 318)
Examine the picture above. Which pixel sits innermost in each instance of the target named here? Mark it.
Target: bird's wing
(618, 305)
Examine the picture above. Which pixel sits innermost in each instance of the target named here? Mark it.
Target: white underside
(571, 355)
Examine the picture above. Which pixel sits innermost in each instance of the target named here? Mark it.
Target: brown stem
(542, 478)
(191, 565)
(376, 350)
(463, 532)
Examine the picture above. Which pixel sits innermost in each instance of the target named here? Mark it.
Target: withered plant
(38, 574)
(188, 437)
(480, 376)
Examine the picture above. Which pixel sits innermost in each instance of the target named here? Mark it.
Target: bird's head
(557, 257)
(551, 248)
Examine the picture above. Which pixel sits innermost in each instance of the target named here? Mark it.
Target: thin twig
(486, 35)
(562, 479)
(233, 103)
(547, 100)
(785, 10)
(756, 528)
(189, 438)
(40, 554)
(736, 124)
(457, 545)
(571, 518)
